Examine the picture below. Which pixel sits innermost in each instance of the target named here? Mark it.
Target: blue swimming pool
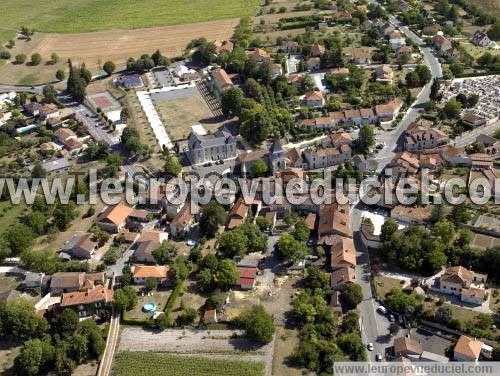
(149, 307)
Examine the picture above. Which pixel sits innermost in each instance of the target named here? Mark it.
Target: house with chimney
(141, 273)
(237, 214)
(334, 219)
(80, 246)
(259, 55)
(181, 224)
(220, 80)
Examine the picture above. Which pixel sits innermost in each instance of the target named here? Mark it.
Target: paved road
(374, 325)
(469, 137)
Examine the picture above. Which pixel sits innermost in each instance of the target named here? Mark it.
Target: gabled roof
(407, 345)
(89, 296)
(116, 214)
(342, 252)
(342, 275)
(151, 271)
(469, 347)
(317, 49)
(458, 275)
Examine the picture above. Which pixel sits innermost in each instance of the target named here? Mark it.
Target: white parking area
(152, 115)
(319, 81)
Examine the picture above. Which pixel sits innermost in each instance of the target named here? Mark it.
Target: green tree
(54, 58)
(36, 59)
(37, 222)
(231, 101)
(173, 166)
(263, 223)
(213, 215)
(485, 59)
(233, 243)
(460, 214)
(50, 92)
(291, 249)
(211, 262)
(187, 316)
(398, 301)
(350, 322)
(452, 108)
(259, 168)
(109, 67)
(445, 230)
(180, 269)
(29, 360)
(388, 229)
(259, 325)
(257, 240)
(19, 238)
(205, 280)
(60, 75)
(67, 322)
(20, 58)
(366, 138)
(151, 284)
(163, 321)
(38, 171)
(301, 231)
(164, 253)
(227, 273)
(352, 295)
(352, 345)
(443, 315)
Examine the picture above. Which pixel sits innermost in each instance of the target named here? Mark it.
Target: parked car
(370, 346)
(391, 318)
(378, 357)
(382, 310)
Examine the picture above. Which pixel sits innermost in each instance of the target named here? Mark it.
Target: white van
(382, 310)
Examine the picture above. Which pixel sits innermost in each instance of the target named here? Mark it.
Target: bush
(5, 55)
(173, 297)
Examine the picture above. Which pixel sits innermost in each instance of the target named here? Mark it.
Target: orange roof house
(113, 218)
(142, 272)
(467, 349)
(342, 252)
(238, 214)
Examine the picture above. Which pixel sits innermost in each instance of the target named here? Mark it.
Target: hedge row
(173, 297)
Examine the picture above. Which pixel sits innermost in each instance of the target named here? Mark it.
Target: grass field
(73, 16)
(147, 363)
(9, 214)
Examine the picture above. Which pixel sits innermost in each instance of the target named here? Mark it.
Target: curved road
(374, 326)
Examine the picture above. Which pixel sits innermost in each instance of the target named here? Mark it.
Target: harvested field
(116, 45)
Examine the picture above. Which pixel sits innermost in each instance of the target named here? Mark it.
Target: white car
(378, 357)
(370, 346)
(382, 310)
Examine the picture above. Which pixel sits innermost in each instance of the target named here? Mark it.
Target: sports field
(74, 16)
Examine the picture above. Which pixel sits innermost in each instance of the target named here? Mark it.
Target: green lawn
(71, 16)
(29, 79)
(9, 214)
(149, 363)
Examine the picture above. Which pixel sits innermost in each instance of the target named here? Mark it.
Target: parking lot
(161, 77)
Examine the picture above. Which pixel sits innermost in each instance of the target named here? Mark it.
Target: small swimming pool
(149, 307)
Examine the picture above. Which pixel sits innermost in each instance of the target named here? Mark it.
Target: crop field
(74, 16)
(148, 363)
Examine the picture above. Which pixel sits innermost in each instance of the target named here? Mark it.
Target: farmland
(147, 363)
(97, 47)
(74, 16)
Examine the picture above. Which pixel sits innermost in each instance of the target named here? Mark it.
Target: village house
(313, 99)
(277, 69)
(80, 246)
(62, 282)
(317, 123)
(481, 161)
(334, 219)
(410, 215)
(418, 138)
(336, 140)
(404, 164)
(361, 58)
(325, 157)
(396, 40)
(404, 51)
(341, 276)
(183, 221)
(455, 156)
(92, 300)
(295, 79)
(49, 112)
(237, 214)
(32, 108)
(473, 120)
(114, 218)
(317, 50)
(56, 166)
(342, 252)
(465, 283)
(141, 273)
(313, 63)
(384, 74)
(259, 55)
(290, 47)
(388, 111)
(220, 80)
(221, 46)
(246, 281)
(467, 349)
(147, 242)
(405, 346)
(388, 28)
(480, 38)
